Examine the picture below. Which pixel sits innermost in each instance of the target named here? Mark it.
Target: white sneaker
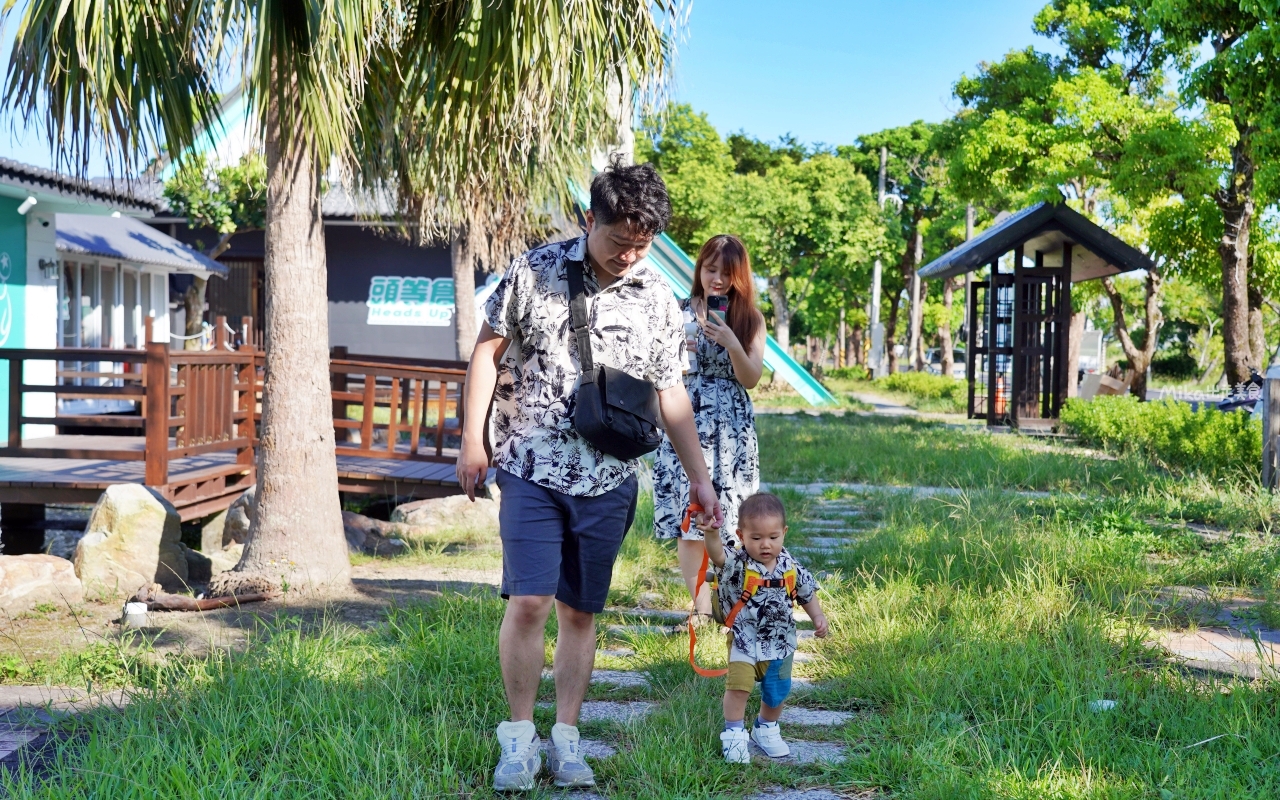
(566, 758)
(521, 760)
(735, 745)
(768, 737)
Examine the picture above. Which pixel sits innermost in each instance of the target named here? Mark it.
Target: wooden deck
(82, 480)
(396, 421)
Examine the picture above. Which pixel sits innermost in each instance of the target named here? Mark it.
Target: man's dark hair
(762, 505)
(632, 193)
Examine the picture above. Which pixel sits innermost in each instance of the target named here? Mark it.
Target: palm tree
(483, 87)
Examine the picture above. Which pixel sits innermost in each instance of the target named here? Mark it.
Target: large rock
(230, 526)
(225, 560)
(28, 581)
(133, 540)
(373, 536)
(454, 512)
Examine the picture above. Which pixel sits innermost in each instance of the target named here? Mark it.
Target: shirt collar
(638, 275)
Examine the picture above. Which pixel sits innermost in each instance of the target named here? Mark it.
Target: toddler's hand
(820, 628)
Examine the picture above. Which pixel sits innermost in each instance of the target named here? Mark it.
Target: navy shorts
(559, 544)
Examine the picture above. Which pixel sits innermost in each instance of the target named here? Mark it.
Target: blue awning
(128, 239)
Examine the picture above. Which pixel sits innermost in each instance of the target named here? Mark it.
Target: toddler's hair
(762, 504)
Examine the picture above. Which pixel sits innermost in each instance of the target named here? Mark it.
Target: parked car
(933, 362)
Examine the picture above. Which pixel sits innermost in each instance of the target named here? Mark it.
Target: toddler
(757, 584)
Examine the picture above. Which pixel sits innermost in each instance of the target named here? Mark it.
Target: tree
(230, 200)
(1098, 126)
(454, 93)
(916, 175)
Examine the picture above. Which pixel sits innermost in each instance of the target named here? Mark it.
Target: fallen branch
(157, 600)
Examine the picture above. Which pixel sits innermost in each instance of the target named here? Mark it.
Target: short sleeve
(806, 585)
(666, 362)
(510, 299)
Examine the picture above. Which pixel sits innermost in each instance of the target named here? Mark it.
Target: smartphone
(718, 304)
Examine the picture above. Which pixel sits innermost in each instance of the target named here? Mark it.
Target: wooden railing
(396, 408)
(194, 403)
(191, 403)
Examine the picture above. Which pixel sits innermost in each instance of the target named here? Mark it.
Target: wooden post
(220, 333)
(15, 402)
(338, 383)
(156, 414)
(1271, 428)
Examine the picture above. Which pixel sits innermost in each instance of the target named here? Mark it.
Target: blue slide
(676, 266)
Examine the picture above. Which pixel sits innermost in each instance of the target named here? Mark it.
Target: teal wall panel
(13, 280)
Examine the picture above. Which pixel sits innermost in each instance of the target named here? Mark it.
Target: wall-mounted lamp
(48, 268)
(26, 205)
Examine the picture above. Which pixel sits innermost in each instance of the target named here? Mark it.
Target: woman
(728, 358)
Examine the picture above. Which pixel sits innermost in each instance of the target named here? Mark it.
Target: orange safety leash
(697, 589)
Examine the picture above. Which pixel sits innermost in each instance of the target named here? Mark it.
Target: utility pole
(915, 348)
(876, 360)
(968, 287)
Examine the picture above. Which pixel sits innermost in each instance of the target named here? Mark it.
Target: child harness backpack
(752, 583)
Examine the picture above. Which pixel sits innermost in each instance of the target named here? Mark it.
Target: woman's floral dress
(727, 430)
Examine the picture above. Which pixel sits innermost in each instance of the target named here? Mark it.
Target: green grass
(969, 632)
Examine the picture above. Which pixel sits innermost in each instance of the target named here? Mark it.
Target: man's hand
(704, 494)
(482, 375)
(472, 467)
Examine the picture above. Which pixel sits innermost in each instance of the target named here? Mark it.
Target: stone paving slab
(650, 614)
(611, 677)
(616, 652)
(1225, 650)
(803, 752)
(12, 738)
(781, 793)
(642, 630)
(831, 541)
(593, 749)
(871, 488)
(814, 717)
(813, 551)
(611, 711)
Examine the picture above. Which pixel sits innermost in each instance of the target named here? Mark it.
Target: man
(565, 505)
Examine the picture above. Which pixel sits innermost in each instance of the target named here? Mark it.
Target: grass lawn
(971, 633)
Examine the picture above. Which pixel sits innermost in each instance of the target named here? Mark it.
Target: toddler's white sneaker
(521, 760)
(768, 737)
(735, 745)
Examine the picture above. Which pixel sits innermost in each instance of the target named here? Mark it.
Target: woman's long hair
(743, 317)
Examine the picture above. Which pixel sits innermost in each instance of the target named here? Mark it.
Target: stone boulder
(372, 536)
(449, 513)
(133, 539)
(230, 526)
(27, 581)
(199, 566)
(225, 560)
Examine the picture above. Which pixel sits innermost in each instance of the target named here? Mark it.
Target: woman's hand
(720, 333)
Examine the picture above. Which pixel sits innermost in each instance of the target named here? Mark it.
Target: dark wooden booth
(1018, 330)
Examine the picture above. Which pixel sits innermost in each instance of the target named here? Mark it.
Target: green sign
(399, 300)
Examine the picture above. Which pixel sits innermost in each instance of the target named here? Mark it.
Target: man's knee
(569, 617)
(529, 610)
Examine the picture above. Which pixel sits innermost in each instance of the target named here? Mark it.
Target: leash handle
(693, 637)
(693, 508)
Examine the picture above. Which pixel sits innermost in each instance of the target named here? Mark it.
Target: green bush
(924, 385)
(1170, 433)
(1177, 366)
(850, 373)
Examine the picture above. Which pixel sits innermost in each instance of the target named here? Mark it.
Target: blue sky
(828, 71)
(822, 70)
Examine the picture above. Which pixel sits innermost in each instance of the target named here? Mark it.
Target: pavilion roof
(1044, 227)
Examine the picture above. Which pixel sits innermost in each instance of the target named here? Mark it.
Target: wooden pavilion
(1019, 315)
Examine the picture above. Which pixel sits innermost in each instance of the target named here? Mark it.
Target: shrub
(924, 385)
(1176, 366)
(850, 373)
(1170, 433)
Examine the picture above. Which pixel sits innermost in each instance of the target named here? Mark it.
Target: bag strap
(578, 318)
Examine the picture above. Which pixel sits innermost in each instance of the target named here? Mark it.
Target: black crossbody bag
(615, 412)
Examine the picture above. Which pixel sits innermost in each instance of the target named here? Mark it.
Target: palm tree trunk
(296, 537)
(462, 255)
